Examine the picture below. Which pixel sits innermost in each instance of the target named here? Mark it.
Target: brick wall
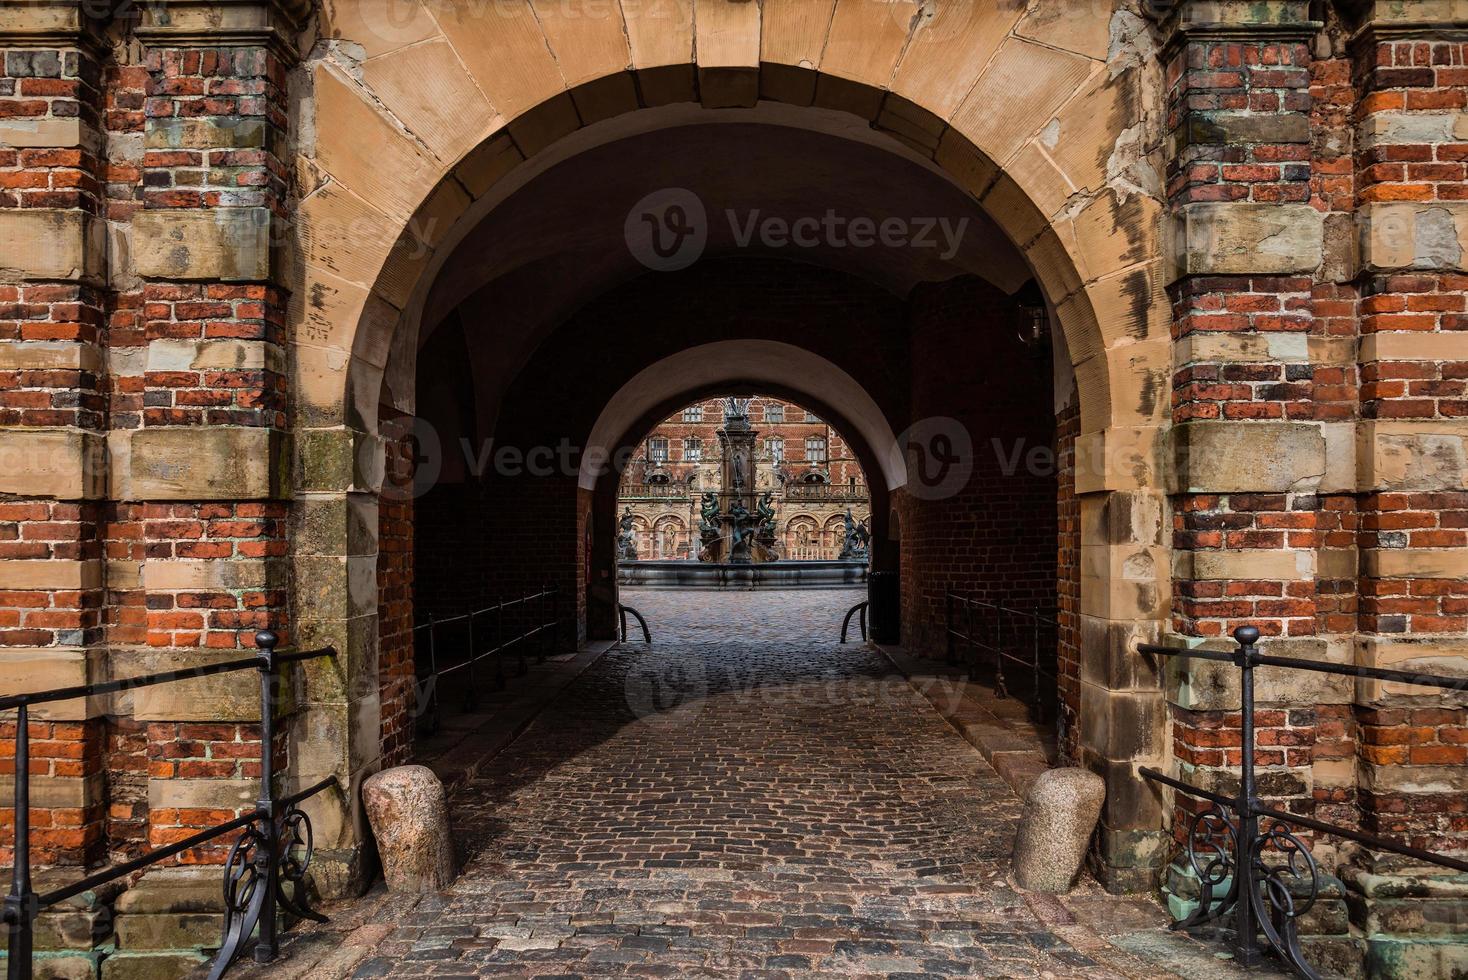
(994, 535)
(1068, 579)
(1413, 377)
(396, 677)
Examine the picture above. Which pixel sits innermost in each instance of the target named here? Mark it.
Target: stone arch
(665, 526)
(801, 536)
(415, 123)
(1052, 138)
(751, 363)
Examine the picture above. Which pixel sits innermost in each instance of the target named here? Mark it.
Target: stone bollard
(1061, 810)
(405, 806)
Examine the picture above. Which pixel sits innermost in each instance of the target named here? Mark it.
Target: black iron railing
(1005, 635)
(622, 612)
(271, 855)
(485, 636)
(860, 611)
(1267, 893)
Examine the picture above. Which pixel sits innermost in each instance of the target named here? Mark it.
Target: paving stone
(749, 798)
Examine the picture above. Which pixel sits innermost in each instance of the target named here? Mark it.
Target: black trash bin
(884, 597)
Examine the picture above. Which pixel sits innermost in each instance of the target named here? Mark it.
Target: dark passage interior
(826, 272)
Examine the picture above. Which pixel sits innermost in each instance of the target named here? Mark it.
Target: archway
(1063, 192)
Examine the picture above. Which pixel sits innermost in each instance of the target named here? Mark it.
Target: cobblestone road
(749, 799)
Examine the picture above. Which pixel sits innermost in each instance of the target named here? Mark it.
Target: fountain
(737, 546)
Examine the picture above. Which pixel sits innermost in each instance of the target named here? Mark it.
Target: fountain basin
(760, 575)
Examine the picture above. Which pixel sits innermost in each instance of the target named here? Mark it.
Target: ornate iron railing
(271, 855)
(1005, 634)
(859, 610)
(622, 612)
(1229, 856)
(540, 616)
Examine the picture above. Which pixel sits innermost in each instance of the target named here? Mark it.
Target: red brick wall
(1068, 579)
(395, 671)
(995, 536)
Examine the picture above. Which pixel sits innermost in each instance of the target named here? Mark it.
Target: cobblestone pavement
(746, 799)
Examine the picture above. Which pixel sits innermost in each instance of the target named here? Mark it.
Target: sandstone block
(151, 964)
(49, 355)
(214, 463)
(230, 244)
(1240, 237)
(1061, 811)
(169, 930)
(1247, 457)
(405, 806)
(174, 889)
(61, 464)
(22, 574)
(214, 355)
(221, 697)
(1417, 455)
(1428, 235)
(44, 244)
(25, 669)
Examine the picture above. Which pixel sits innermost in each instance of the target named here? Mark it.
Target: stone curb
(1017, 749)
(459, 761)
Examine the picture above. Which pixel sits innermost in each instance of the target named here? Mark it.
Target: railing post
(499, 645)
(526, 612)
(267, 856)
(1001, 690)
(20, 904)
(471, 694)
(1039, 695)
(430, 712)
(973, 645)
(544, 636)
(948, 624)
(1247, 951)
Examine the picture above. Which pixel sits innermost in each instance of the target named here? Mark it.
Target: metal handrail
(544, 625)
(273, 852)
(1264, 897)
(622, 611)
(862, 620)
(999, 650)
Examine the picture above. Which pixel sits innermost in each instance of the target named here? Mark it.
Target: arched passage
(735, 367)
(761, 364)
(1077, 203)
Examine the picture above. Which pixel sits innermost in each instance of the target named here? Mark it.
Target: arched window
(815, 449)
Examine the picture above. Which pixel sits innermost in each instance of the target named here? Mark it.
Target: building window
(776, 450)
(815, 449)
(657, 451)
(774, 412)
(692, 450)
(693, 413)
